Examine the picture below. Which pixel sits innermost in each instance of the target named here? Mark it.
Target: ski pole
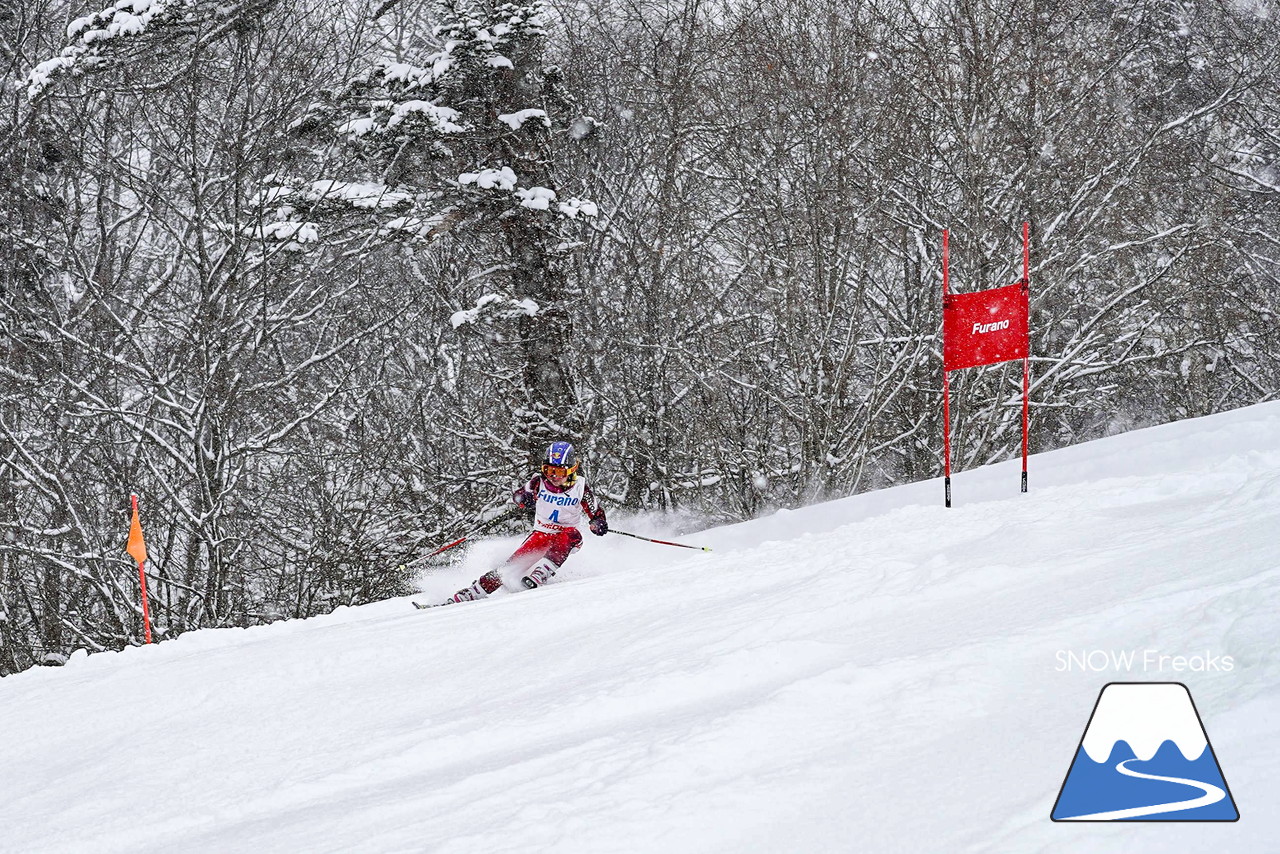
(420, 558)
(445, 548)
(483, 526)
(659, 542)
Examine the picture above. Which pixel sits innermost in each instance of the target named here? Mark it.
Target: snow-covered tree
(470, 144)
(160, 347)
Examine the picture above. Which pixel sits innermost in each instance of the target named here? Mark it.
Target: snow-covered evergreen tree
(470, 141)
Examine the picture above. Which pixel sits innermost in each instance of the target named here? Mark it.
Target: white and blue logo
(1145, 757)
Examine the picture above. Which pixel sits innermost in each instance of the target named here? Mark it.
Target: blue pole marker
(1145, 756)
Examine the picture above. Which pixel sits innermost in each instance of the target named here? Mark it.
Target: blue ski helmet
(560, 461)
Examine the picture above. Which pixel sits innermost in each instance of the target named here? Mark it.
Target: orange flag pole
(137, 549)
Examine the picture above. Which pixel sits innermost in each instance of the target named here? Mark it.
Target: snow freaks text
(1147, 660)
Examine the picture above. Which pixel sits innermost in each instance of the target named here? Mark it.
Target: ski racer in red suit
(558, 499)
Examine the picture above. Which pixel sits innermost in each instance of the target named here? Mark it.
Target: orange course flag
(137, 548)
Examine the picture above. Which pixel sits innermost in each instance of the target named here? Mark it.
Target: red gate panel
(985, 327)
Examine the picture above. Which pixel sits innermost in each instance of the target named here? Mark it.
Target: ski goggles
(558, 471)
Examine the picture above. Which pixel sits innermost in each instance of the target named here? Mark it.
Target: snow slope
(876, 674)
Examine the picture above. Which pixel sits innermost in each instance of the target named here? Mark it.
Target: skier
(558, 499)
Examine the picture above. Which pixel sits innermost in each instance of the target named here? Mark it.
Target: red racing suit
(557, 513)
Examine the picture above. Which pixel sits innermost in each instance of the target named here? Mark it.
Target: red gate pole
(946, 383)
(1026, 360)
(946, 436)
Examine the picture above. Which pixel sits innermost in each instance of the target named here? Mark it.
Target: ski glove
(599, 526)
(526, 501)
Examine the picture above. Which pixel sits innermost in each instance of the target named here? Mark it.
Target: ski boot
(542, 572)
(483, 586)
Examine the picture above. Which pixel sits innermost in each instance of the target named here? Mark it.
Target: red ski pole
(446, 548)
(481, 528)
(659, 542)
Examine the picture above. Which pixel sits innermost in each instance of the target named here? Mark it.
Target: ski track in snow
(875, 674)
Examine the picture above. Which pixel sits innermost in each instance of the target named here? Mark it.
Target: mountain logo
(1145, 756)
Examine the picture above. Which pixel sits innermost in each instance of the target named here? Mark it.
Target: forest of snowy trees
(317, 280)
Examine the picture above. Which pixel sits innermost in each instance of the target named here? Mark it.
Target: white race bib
(558, 510)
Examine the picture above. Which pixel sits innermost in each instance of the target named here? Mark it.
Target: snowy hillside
(877, 674)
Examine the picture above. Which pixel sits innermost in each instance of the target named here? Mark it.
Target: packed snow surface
(875, 674)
